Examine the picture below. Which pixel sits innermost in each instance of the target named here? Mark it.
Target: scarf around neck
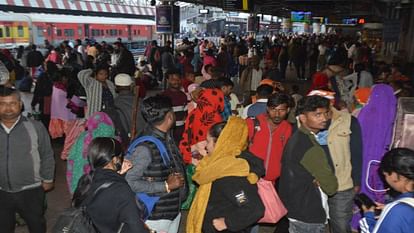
(223, 162)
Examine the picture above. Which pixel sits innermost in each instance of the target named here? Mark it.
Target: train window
(59, 32)
(7, 31)
(80, 31)
(135, 32)
(1, 32)
(69, 32)
(20, 32)
(139, 32)
(120, 32)
(49, 31)
(40, 31)
(107, 32)
(102, 32)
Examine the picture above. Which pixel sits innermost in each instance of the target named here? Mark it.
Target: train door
(86, 30)
(129, 33)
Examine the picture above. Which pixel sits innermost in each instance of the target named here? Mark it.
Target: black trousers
(30, 206)
(283, 225)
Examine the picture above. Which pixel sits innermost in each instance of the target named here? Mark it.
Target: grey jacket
(26, 156)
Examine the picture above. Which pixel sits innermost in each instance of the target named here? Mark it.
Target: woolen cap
(123, 80)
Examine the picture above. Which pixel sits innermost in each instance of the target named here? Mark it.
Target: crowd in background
(313, 144)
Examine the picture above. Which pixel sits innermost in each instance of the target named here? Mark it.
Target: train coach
(22, 29)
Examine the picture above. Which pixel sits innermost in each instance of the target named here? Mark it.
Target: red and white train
(25, 28)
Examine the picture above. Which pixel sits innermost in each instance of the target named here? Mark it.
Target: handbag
(274, 208)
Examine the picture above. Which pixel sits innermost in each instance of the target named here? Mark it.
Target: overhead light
(398, 6)
(203, 11)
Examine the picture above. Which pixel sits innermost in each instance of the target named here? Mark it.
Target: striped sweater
(93, 90)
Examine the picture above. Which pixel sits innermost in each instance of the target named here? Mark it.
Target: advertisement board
(164, 19)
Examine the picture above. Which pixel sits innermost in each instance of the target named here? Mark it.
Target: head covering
(377, 121)
(221, 163)
(123, 80)
(97, 125)
(362, 95)
(326, 94)
(269, 82)
(210, 104)
(7, 54)
(319, 81)
(4, 74)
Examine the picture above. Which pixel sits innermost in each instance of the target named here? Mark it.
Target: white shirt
(322, 50)
(256, 78)
(8, 130)
(365, 79)
(246, 109)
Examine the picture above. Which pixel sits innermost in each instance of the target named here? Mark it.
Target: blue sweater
(397, 217)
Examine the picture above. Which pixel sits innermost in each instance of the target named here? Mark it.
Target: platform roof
(327, 8)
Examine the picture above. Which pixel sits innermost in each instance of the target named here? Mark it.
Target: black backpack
(76, 220)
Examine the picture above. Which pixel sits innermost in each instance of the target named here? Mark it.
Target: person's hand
(380, 206)
(47, 186)
(219, 224)
(315, 182)
(366, 209)
(357, 189)
(126, 165)
(175, 181)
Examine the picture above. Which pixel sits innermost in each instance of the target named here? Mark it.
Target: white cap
(141, 58)
(123, 80)
(4, 74)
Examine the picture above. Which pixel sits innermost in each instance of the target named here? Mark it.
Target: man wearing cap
(121, 113)
(179, 102)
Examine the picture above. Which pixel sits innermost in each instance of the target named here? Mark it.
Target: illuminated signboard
(350, 21)
(234, 5)
(300, 17)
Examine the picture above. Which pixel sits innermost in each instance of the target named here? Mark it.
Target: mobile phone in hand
(363, 199)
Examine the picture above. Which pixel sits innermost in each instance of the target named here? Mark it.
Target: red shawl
(210, 104)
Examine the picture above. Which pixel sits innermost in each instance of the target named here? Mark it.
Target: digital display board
(300, 17)
(350, 21)
(233, 5)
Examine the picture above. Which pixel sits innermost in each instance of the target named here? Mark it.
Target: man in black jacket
(306, 177)
(150, 175)
(126, 62)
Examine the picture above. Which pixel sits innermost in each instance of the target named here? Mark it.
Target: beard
(276, 120)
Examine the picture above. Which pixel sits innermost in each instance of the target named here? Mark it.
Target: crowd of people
(225, 118)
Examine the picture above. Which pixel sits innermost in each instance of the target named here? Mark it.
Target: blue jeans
(303, 227)
(340, 211)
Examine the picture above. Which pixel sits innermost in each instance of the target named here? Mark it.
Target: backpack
(146, 201)
(256, 127)
(76, 220)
